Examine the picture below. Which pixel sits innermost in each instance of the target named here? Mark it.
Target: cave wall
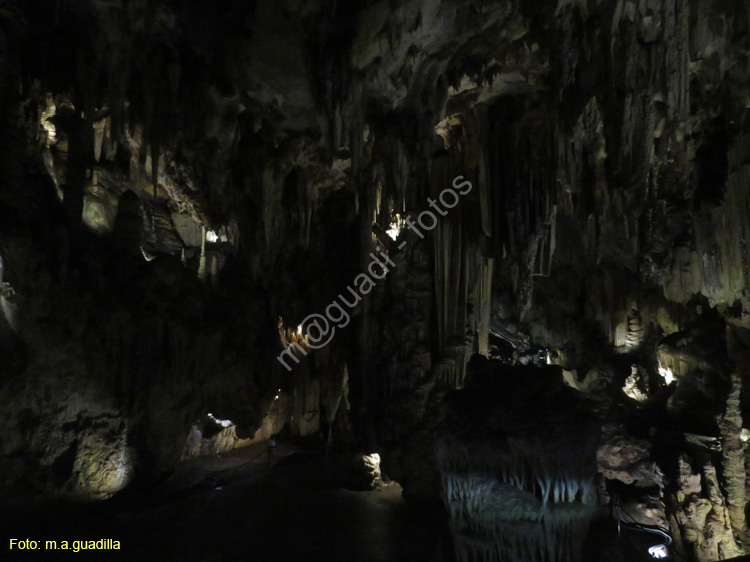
(182, 185)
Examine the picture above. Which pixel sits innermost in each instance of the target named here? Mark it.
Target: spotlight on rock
(373, 458)
(667, 374)
(659, 551)
(372, 465)
(395, 227)
(222, 423)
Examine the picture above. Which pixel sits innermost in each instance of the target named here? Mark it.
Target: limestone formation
(562, 193)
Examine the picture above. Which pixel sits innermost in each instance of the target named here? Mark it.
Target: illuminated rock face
(78, 436)
(704, 518)
(627, 460)
(607, 148)
(103, 465)
(712, 510)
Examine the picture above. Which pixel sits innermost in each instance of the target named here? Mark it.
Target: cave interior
(404, 280)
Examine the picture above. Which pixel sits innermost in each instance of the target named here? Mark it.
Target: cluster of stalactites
(494, 521)
(520, 503)
(560, 541)
(546, 472)
(545, 486)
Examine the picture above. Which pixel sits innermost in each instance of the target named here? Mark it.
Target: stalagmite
(98, 138)
(733, 453)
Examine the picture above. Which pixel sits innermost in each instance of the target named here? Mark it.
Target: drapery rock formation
(517, 487)
(183, 184)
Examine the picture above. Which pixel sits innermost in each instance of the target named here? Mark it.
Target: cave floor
(232, 507)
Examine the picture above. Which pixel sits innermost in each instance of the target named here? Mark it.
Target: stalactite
(202, 270)
(98, 138)
(80, 140)
(155, 168)
(456, 263)
(529, 500)
(310, 206)
(677, 31)
(484, 304)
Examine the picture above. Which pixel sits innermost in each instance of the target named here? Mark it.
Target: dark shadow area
(231, 507)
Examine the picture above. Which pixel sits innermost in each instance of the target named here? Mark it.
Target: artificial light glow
(222, 423)
(396, 225)
(667, 375)
(631, 385)
(290, 336)
(659, 551)
(372, 463)
(226, 233)
(48, 113)
(147, 256)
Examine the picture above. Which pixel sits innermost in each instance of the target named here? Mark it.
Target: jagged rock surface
(177, 177)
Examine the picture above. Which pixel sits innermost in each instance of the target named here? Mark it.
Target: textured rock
(267, 148)
(63, 434)
(734, 449)
(710, 522)
(628, 460)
